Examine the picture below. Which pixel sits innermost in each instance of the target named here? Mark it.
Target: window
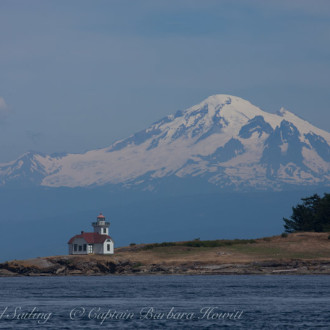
(108, 247)
(75, 247)
(85, 247)
(90, 248)
(80, 248)
(104, 230)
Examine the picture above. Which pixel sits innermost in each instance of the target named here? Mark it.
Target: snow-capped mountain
(224, 140)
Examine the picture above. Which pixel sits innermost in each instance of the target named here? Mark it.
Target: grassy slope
(307, 246)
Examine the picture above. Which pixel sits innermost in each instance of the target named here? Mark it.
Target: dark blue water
(158, 302)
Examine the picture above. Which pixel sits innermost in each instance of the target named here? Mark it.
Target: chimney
(82, 231)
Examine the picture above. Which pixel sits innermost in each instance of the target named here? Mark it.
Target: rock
(75, 272)
(6, 272)
(60, 270)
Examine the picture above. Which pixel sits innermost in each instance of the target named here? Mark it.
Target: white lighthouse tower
(101, 226)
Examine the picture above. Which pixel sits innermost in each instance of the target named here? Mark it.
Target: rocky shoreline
(72, 266)
(297, 253)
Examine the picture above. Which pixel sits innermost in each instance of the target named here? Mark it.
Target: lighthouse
(101, 226)
(98, 242)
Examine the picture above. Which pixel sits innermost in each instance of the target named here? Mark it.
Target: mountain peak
(224, 140)
(218, 100)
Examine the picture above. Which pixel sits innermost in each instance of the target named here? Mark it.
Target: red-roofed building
(98, 242)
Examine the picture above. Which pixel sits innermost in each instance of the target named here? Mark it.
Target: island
(295, 253)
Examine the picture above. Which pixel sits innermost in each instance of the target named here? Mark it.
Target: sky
(77, 75)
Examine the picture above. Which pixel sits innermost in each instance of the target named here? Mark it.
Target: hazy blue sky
(77, 75)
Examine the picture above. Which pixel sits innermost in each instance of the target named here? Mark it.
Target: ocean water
(159, 302)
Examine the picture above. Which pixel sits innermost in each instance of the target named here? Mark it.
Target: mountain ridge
(225, 140)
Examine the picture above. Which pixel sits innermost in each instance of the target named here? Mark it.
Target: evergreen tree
(310, 215)
(322, 217)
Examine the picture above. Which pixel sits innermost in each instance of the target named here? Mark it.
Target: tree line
(313, 214)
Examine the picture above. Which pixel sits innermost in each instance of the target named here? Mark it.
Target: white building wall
(98, 248)
(80, 242)
(105, 246)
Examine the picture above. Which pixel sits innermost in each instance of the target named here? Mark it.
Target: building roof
(90, 238)
(101, 216)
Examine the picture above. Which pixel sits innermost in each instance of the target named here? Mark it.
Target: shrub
(284, 235)
(198, 243)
